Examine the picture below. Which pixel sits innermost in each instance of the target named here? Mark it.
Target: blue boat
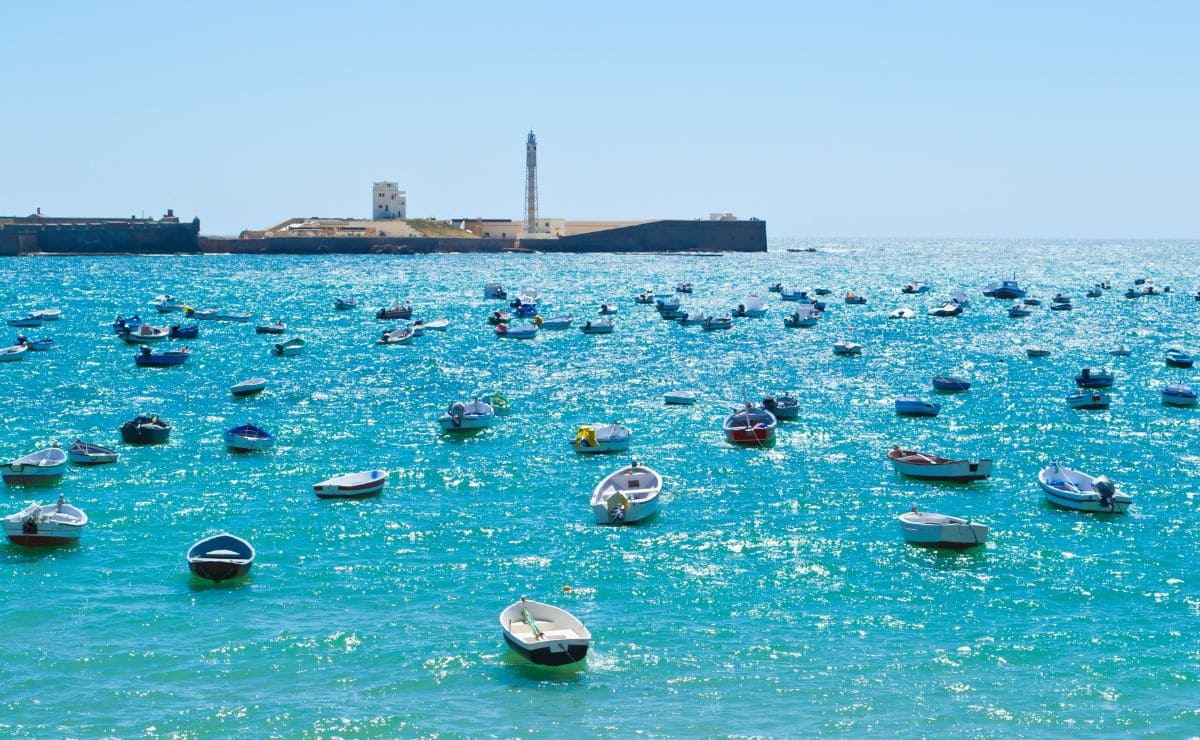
(36, 345)
(248, 438)
(908, 406)
(1090, 377)
(150, 358)
(950, 383)
(1009, 289)
(1178, 358)
(191, 331)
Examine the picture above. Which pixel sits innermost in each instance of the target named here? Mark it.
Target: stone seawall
(102, 237)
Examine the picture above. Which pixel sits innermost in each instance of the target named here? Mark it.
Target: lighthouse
(531, 184)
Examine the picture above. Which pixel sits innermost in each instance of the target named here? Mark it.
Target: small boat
(961, 297)
(240, 317)
(1031, 302)
(908, 406)
(517, 331)
(149, 358)
(1089, 400)
(775, 288)
(467, 417)
(1017, 311)
(990, 289)
(667, 304)
(191, 331)
(1036, 352)
(1073, 489)
(494, 292)
(914, 288)
(1131, 293)
(146, 334)
(902, 313)
(603, 326)
(783, 408)
(248, 387)
(793, 295)
(344, 304)
(1095, 292)
(41, 467)
(145, 429)
(499, 316)
(750, 426)
(36, 345)
(47, 314)
(717, 323)
(627, 495)
(927, 529)
(924, 466)
(1178, 358)
(248, 438)
(395, 312)
(753, 308)
(844, 347)
(951, 384)
(27, 321)
(544, 634)
(822, 291)
(167, 304)
(607, 309)
(525, 310)
(1060, 298)
(435, 325)
(85, 453)
(949, 308)
(602, 439)
(275, 327)
(802, 318)
(290, 348)
(52, 524)
(1061, 307)
(402, 335)
(679, 398)
(1120, 351)
(692, 318)
(352, 485)
(1178, 394)
(201, 314)
(1009, 289)
(854, 299)
(221, 557)
(644, 298)
(556, 323)
(13, 353)
(684, 287)
(124, 324)
(1091, 377)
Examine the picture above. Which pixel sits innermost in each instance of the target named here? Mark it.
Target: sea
(772, 596)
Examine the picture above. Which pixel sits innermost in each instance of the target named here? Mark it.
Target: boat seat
(220, 554)
(637, 493)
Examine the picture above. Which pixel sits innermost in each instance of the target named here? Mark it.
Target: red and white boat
(931, 467)
(751, 425)
(352, 485)
(43, 466)
(52, 524)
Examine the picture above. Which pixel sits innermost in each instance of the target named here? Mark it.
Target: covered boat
(395, 312)
(544, 634)
(782, 407)
(1018, 311)
(248, 438)
(607, 309)
(627, 495)
(401, 335)
(1089, 400)
(909, 406)
(146, 334)
(594, 439)
(927, 529)
(466, 417)
(914, 287)
(149, 358)
(145, 429)
(248, 387)
(692, 318)
(221, 557)
(601, 326)
(290, 348)
(86, 453)
(52, 524)
(925, 466)
(949, 308)
(750, 426)
(951, 384)
(1178, 394)
(1009, 289)
(1072, 489)
(352, 485)
(41, 467)
(802, 317)
(1178, 358)
(1091, 377)
(753, 308)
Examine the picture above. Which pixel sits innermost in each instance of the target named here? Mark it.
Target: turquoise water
(773, 595)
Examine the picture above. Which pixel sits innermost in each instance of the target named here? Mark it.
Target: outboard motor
(1107, 489)
(616, 514)
(770, 404)
(29, 525)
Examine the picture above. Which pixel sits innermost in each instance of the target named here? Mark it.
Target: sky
(915, 119)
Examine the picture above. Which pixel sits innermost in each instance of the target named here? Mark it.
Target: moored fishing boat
(145, 429)
(1018, 311)
(544, 634)
(902, 313)
(47, 314)
(783, 407)
(352, 485)
(123, 324)
(28, 321)
(36, 345)
(494, 291)
(497, 400)
(1178, 358)
(1073, 489)
(167, 304)
(928, 529)
(854, 299)
(557, 323)
(345, 304)
(517, 331)
(750, 426)
(692, 318)
(86, 453)
(754, 307)
(190, 331)
(248, 438)
(290, 348)
(717, 323)
(146, 334)
(949, 308)
(149, 358)
(845, 347)
(914, 287)
(1009, 289)
(38, 468)
(802, 317)
(601, 326)
(273, 327)
(202, 314)
(908, 406)
(924, 466)
(951, 384)
(248, 387)
(599, 439)
(13, 353)
(222, 557)
(52, 524)
(1091, 377)
(401, 335)
(1178, 394)
(607, 309)
(627, 495)
(1089, 400)
(679, 398)
(467, 417)
(1035, 352)
(1120, 351)
(395, 312)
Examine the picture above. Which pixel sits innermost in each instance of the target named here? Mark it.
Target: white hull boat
(466, 417)
(603, 326)
(41, 467)
(52, 524)
(544, 634)
(147, 334)
(1072, 489)
(924, 466)
(626, 496)
(846, 347)
(85, 453)
(557, 323)
(939, 530)
(248, 387)
(1089, 400)
(14, 353)
(679, 398)
(352, 485)
(799, 319)
(1178, 394)
(902, 313)
(519, 331)
(602, 439)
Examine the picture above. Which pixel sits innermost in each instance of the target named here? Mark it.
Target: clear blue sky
(988, 119)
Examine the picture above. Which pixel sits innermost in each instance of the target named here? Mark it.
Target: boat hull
(140, 435)
(955, 471)
(558, 652)
(30, 476)
(634, 511)
(951, 536)
(753, 436)
(367, 491)
(217, 571)
(80, 459)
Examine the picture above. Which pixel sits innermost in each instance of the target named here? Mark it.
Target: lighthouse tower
(531, 184)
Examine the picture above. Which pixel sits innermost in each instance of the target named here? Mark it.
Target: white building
(388, 201)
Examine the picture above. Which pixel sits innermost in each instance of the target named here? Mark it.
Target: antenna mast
(531, 183)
